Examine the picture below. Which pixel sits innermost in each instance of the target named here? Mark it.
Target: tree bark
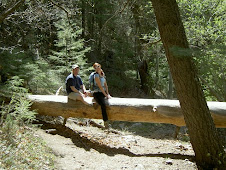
(123, 109)
(143, 72)
(208, 148)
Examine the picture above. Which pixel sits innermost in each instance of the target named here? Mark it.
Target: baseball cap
(74, 66)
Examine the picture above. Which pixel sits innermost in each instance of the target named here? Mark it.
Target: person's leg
(95, 104)
(77, 96)
(99, 97)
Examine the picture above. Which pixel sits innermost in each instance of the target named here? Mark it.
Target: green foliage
(37, 76)
(19, 149)
(14, 85)
(69, 48)
(204, 22)
(28, 151)
(158, 70)
(40, 78)
(39, 43)
(17, 111)
(211, 63)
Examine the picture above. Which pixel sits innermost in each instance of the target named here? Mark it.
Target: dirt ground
(82, 145)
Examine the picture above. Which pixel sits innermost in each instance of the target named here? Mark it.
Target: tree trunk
(83, 19)
(170, 90)
(143, 72)
(157, 70)
(90, 29)
(100, 37)
(208, 148)
(142, 65)
(99, 12)
(136, 15)
(123, 109)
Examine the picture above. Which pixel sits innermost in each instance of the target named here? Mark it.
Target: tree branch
(145, 46)
(155, 42)
(54, 3)
(10, 11)
(116, 13)
(212, 91)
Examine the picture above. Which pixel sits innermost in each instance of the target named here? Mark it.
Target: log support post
(177, 130)
(65, 121)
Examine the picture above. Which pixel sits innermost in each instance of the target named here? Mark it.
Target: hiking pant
(74, 95)
(99, 97)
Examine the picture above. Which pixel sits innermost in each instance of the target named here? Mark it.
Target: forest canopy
(40, 40)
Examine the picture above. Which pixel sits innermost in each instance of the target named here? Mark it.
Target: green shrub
(19, 148)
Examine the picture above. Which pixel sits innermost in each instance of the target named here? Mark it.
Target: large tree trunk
(123, 109)
(208, 148)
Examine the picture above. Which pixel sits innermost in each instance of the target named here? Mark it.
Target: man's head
(74, 66)
(75, 69)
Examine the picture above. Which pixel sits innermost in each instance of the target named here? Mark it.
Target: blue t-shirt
(102, 81)
(72, 80)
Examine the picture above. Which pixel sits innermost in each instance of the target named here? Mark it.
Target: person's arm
(97, 79)
(84, 89)
(75, 90)
(106, 87)
(82, 86)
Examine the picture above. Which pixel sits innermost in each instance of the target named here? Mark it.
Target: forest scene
(157, 50)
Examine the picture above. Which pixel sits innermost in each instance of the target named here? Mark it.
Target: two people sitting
(76, 89)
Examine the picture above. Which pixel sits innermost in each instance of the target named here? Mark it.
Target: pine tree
(69, 48)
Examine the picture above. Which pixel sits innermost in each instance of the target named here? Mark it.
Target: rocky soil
(83, 144)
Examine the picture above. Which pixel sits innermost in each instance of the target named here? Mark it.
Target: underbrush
(19, 147)
(26, 152)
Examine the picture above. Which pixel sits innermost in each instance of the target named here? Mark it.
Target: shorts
(74, 96)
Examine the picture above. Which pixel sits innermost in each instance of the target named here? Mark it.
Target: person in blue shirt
(74, 86)
(100, 91)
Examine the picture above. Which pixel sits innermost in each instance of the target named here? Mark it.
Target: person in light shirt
(100, 91)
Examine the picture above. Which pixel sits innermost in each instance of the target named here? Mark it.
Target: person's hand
(85, 93)
(109, 96)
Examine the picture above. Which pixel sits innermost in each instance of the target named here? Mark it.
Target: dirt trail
(88, 147)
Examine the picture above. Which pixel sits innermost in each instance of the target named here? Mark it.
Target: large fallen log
(123, 109)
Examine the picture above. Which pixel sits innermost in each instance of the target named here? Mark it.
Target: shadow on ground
(160, 130)
(87, 144)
